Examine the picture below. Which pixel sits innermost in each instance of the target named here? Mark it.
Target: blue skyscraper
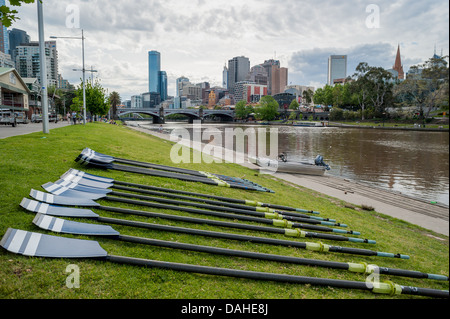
(154, 67)
(163, 85)
(4, 38)
(157, 79)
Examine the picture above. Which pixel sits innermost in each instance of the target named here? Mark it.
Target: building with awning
(14, 93)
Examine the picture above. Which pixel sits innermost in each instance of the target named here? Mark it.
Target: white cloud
(196, 38)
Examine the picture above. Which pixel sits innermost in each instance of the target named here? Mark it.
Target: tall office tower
(4, 38)
(277, 77)
(179, 83)
(154, 67)
(16, 38)
(337, 68)
(398, 65)
(163, 85)
(225, 77)
(238, 69)
(28, 63)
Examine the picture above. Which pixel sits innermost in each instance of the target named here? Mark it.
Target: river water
(414, 163)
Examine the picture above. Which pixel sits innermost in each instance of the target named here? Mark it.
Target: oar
(285, 226)
(83, 178)
(61, 186)
(39, 245)
(70, 191)
(205, 178)
(59, 225)
(61, 211)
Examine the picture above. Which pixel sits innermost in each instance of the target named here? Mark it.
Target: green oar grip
(387, 288)
(282, 223)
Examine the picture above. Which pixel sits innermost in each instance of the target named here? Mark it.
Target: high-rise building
(28, 62)
(225, 77)
(337, 68)
(398, 65)
(163, 85)
(238, 68)
(277, 77)
(4, 38)
(17, 37)
(154, 67)
(179, 82)
(157, 79)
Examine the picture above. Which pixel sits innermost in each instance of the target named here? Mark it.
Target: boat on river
(283, 165)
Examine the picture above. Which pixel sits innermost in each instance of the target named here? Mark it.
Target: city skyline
(197, 40)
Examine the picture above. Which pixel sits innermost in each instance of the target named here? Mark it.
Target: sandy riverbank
(429, 216)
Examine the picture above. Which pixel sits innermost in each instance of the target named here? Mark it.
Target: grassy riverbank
(29, 161)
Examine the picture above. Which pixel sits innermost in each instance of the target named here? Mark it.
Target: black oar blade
(59, 225)
(39, 245)
(62, 200)
(64, 191)
(60, 211)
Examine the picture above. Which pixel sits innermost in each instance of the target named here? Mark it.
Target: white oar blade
(53, 210)
(85, 181)
(62, 200)
(76, 173)
(59, 225)
(82, 188)
(59, 190)
(38, 245)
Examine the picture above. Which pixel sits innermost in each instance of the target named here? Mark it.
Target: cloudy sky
(197, 37)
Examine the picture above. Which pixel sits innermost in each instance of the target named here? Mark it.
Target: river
(414, 163)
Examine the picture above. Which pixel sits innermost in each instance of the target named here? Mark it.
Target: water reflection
(410, 162)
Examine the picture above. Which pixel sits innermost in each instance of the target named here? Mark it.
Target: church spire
(398, 65)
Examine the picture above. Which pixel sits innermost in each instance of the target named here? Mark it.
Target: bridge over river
(159, 115)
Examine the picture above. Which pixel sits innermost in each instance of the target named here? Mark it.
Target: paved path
(23, 129)
(429, 216)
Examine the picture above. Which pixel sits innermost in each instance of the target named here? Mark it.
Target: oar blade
(59, 190)
(83, 188)
(53, 210)
(59, 225)
(62, 200)
(85, 181)
(39, 245)
(76, 173)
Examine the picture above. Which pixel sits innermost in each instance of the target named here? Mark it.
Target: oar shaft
(384, 288)
(357, 268)
(278, 223)
(250, 212)
(317, 247)
(229, 206)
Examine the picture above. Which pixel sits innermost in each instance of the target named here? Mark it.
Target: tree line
(372, 91)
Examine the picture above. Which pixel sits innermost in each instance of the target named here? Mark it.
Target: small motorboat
(282, 165)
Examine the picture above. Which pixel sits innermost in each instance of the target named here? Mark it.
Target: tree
(97, 102)
(267, 109)
(8, 15)
(294, 105)
(426, 89)
(114, 100)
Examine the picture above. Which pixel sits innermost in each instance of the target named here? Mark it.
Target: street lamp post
(43, 70)
(83, 70)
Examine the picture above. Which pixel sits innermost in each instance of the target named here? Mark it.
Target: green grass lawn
(29, 161)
